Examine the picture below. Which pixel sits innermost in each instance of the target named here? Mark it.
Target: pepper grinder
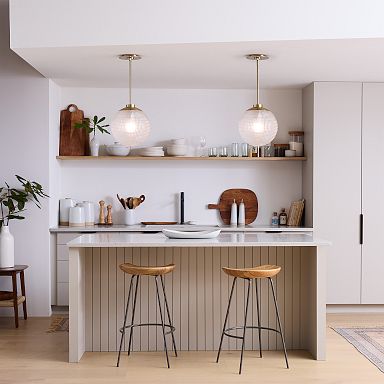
(101, 214)
(109, 214)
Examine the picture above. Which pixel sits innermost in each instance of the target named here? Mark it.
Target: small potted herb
(91, 126)
(12, 206)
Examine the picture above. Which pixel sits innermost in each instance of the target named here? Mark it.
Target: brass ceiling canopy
(129, 56)
(257, 56)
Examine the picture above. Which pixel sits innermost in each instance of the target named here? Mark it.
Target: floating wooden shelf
(178, 158)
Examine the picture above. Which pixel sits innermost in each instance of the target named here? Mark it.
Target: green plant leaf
(15, 217)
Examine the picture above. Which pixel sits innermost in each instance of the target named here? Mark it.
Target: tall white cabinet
(372, 284)
(344, 129)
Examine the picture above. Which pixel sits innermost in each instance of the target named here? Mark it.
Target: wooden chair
(252, 274)
(136, 272)
(11, 298)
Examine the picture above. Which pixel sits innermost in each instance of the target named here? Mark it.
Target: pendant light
(130, 126)
(258, 126)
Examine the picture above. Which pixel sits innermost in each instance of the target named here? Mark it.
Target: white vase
(94, 146)
(7, 248)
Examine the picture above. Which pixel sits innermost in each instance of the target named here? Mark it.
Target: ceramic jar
(77, 216)
(64, 205)
(89, 212)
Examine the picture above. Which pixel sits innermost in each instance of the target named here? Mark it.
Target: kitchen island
(197, 290)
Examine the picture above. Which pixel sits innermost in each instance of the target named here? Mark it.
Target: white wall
(24, 151)
(55, 23)
(185, 113)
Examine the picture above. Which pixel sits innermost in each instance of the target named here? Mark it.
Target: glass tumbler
(235, 150)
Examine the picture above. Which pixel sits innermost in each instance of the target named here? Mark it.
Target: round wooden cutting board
(226, 200)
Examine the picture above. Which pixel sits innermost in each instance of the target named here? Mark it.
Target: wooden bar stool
(12, 299)
(136, 272)
(252, 274)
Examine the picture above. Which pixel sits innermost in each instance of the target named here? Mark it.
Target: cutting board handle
(72, 108)
(213, 206)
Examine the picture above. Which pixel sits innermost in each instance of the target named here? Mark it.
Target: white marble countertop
(158, 228)
(227, 239)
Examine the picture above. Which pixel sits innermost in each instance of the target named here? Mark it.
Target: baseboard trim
(355, 308)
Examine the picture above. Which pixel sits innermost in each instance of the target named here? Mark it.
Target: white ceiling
(293, 64)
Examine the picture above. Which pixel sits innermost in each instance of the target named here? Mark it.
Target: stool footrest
(247, 327)
(171, 327)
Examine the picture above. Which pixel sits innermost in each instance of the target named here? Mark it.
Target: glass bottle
(275, 220)
(283, 217)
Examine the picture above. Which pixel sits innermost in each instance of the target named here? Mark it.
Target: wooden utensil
(122, 201)
(129, 202)
(226, 199)
(73, 141)
(136, 201)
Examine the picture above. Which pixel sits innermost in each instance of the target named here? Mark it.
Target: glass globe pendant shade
(130, 126)
(258, 126)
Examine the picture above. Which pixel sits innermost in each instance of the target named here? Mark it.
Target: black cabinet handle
(361, 228)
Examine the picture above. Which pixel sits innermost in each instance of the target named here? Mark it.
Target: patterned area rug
(368, 341)
(59, 324)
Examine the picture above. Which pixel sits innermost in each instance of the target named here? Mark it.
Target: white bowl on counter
(117, 149)
(177, 150)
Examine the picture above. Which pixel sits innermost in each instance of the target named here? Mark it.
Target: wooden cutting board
(226, 200)
(73, 141)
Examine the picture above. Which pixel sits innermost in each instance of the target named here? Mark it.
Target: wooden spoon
(136, 201)
(122, 201)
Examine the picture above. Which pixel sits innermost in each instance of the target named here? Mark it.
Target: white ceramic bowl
(290, 153)
(117, 149)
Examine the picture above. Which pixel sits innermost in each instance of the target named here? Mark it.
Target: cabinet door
(337, 185)
(373, 193)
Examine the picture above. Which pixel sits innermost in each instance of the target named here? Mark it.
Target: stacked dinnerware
(151, 151)
(177, 147)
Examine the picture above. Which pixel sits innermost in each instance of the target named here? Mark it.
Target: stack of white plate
(177, 147)
(151, 151)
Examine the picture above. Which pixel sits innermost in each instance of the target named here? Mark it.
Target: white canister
(7, 248)
(298, 147)
(129, 217)
(76, 216)
(64, 205)
(89, 212)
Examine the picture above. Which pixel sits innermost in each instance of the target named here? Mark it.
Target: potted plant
(12, 206)
(91, 126)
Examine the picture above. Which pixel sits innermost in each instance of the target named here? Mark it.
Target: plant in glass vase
(91, 126)
(12, 206)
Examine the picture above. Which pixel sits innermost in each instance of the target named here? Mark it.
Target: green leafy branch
(92, 125)
(13, 200)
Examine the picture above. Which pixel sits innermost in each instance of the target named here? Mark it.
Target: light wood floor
(30, 355)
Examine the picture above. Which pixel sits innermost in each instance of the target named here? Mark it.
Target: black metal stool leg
(169, 317)
(133, 315)
(245, 326)
(258, 317)
(125, 322)
(162, 320)
(226, 318)
(278, 321)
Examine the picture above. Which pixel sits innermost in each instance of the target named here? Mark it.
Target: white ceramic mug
(76, 216)
(129, 217)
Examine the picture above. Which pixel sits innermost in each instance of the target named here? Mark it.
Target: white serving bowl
(290, 153)
(117, 149)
